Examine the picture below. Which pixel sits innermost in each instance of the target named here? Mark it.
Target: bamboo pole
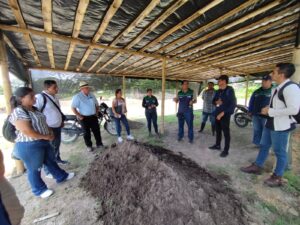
(296, 62)
(176, 92)
(247, 87)
(163, 95)
(7, 88)
(124, 86)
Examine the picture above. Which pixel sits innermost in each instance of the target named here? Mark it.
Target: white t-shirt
(53, 116)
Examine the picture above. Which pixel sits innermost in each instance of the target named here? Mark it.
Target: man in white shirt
(49, 105)
(279, 123)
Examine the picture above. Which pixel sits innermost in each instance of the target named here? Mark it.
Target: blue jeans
(211, 116)
(258, 126)
(188, 117)
(278, 140)
(124, 120)
(34, 154)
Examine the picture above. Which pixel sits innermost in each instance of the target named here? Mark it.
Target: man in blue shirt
(260, 99)
(225, 102)
(185, 97)
(86, 107)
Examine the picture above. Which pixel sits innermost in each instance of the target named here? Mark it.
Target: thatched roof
(199, 39)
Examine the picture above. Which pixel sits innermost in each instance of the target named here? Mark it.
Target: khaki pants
(11, 202)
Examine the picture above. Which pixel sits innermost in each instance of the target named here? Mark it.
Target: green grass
(293, 185)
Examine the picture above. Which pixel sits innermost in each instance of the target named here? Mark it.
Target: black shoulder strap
(44, 102)
(280, 92)
(46, 96)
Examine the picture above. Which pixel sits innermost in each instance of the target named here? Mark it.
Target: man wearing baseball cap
(260, 99)
(86, 107)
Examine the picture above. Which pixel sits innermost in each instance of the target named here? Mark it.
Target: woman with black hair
(33, 142)
(119, 109)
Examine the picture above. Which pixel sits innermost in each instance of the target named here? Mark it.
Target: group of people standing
(218, 106)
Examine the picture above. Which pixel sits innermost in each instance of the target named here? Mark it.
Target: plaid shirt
(208, 96)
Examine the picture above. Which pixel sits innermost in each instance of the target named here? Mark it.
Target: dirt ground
(149, 185)
(278, 206)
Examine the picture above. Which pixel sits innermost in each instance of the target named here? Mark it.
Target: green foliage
(293, 185)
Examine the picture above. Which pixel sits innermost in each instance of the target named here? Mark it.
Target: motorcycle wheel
(68, 137)
(110, 127)
(240, 120)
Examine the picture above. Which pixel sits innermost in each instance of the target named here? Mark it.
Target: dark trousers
(56, 142)
(223, 125)
(124, 120)
(151, 116)
(188, 117)
(91, 123)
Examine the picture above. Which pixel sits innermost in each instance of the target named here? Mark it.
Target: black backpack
(281, 97)
(9, 130)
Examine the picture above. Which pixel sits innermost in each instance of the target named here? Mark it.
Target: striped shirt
(37, 120)
(208, 96)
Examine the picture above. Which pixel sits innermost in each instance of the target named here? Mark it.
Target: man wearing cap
(85, 106)
(225, 102)
(260, 99)
(284, 104)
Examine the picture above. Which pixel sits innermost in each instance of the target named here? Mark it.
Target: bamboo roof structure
(195, 39)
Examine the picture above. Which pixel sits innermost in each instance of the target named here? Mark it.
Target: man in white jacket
(279, 123)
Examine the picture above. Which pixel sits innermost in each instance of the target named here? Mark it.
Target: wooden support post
(247, 87)
(296, 62)
(124, 86)
(163, 95)
(176, 92)
(7, 88)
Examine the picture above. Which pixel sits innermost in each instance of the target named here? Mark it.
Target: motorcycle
(241, 116)
(72, 128)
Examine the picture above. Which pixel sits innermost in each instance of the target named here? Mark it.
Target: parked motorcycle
(72, 128)
(241, 116)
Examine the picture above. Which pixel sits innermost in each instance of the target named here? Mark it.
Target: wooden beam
(92, 45)
(239, 35)
(139, 19)
(247, 87)
(14, 49)
(80, 12)
(182, 23)
(211, 24)
(96, 62)
(47, 17)
(121, 64)
(158, 21)
(163, 95)
(109, 14)
(14, 5)
(190, 45)
(217, 51)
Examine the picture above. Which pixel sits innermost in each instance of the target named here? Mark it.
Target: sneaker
(46, 193)
(179, 139)
(191, 141)
(49, 176)
(215, 147)
(253, 168)
(274, 181)
(224, 154)
(89, 149)
(100, 146)
(120, 140)
(130, 137)
(158, 135)
(70, 176)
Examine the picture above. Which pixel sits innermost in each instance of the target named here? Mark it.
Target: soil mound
(138, 184)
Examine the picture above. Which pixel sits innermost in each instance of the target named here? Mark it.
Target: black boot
(213, 129)
(202, 127)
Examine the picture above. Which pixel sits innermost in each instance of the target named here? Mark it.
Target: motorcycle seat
(70, 117)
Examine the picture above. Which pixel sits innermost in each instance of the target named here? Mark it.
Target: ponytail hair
(20, 93)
